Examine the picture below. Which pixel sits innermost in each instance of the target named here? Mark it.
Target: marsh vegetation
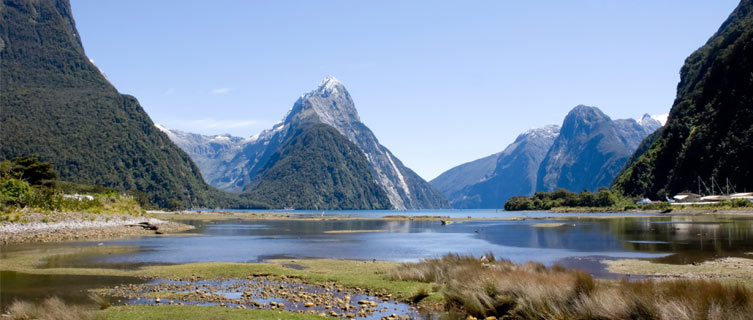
(490, 287)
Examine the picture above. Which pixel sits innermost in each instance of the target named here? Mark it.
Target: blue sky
(439, 82)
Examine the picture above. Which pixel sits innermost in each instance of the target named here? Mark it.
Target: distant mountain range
(240, 165)
(585, 153)
(709, 133)
(590, 150)
(488, 182)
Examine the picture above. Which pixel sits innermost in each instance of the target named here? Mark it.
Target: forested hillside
(57, 106)
(709, 133)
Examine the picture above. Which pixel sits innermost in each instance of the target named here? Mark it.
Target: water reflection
(70, 288)
(242, 241)
(673, 239)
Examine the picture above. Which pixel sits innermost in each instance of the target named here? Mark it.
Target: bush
(738, 203)
(15, 192)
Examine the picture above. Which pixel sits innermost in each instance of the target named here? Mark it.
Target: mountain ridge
(590, 150)
(488, 182)
(330, 104)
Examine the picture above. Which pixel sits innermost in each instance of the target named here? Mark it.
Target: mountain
(210, 153)
(318, 168)
(709, 133)
(590, 150)
(585, 153)
(452, 182)
(488, 182)
(58, 106)
(237, 165)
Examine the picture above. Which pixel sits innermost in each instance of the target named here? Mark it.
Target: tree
(28, 169)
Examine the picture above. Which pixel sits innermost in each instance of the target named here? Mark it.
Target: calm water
(675, 239)
(580, 242)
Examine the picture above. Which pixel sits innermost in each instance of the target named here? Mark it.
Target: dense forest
(59, 107)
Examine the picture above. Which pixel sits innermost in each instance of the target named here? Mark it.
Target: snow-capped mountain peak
(661, 118)
(330, 102)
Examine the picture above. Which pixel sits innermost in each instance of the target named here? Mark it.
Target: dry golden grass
(50, 309)
(489, 287)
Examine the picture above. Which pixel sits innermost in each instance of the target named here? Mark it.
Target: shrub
(15, 192)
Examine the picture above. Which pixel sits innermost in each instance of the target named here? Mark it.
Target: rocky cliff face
(590, 150)
(709, 133)
(236, 169)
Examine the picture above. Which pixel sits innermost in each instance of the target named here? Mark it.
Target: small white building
(79, 197)
(687, 197)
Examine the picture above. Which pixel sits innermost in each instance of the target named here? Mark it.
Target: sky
(440, 83)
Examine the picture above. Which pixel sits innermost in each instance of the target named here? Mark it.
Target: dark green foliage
(57, 106)
(562, 198)
(71, 188)
(14, 192)
(318, 168)
(28, 169)
(38, 192)
(710, 128)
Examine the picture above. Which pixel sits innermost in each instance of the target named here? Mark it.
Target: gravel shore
(78, 226)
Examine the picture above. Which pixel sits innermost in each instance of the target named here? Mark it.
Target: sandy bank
(731, 268)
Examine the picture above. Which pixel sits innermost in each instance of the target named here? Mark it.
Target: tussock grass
(50, 309)
(489, 287)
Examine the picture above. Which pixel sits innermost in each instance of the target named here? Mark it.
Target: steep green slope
(710, 128)
(56, 105)
(318, 168)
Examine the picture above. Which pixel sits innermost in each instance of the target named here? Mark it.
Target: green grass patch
(196, 312)
(369, 275)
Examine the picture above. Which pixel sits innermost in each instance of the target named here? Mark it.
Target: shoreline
(733, 269)
(256, 215)
(673, 211)
(80, 226)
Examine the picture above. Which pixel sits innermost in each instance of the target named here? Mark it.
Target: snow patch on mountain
(662, 118)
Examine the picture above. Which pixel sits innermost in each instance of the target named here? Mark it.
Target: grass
(489, 287)
(367, 275)
(55, 309)
(50, 309)
(463, 284)
(196, 312)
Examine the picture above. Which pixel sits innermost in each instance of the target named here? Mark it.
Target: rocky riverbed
(267, 293)
(80, 226)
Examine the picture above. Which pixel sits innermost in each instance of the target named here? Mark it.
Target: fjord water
(675, 239)
(575, 241)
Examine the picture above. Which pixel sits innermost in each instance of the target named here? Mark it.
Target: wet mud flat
(267, 293)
